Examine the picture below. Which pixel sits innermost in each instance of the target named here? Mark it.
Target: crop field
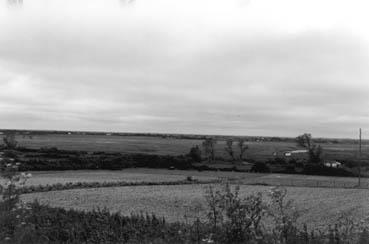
(128, 175)
(171, 146)
(161, 175)
(319, 207)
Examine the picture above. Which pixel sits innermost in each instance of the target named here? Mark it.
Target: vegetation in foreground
(230, 219)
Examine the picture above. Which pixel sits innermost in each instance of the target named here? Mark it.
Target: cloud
(181, 69)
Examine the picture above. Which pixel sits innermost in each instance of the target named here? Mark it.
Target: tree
(304, 140)
(208, 146)
(242, 147)
(316, 154)
(229, 148)
(9, 140)
(195, 153)
(315, 151)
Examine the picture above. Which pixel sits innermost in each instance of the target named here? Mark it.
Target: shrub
(260, 167)
(313, 169)
(234, 219)
(195, 154)
(12, 213)
(284, 216)
(9, 140)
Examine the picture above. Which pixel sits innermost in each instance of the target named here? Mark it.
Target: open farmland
(128, 175)
(173, 146)
(161, 175)
(319, 206)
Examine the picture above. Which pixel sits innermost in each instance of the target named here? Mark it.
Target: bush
(277, 161)
(260, 167)
(313, 169)
(9, 141)
(195, 154)
(284, 216)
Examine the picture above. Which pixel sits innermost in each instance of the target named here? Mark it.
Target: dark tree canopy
(315, 151)
(229, 148)
(242, 147)
(208, 146)
(304, 140)
(195, 153)
(9, 140)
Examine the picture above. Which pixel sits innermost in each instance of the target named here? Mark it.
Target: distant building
(333, 164)
(299, 151)
(298, 155)
(295, 152)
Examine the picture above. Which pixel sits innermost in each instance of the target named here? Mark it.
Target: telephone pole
(359, 157)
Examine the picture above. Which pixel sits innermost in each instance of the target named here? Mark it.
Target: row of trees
(315, 152)
(208, 148)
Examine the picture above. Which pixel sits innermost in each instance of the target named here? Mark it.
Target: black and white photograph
(184, 121)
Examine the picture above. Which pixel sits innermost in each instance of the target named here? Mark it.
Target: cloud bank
(208, 67)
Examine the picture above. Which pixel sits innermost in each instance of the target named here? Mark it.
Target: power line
(359, 157)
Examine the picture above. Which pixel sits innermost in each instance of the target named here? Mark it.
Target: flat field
(171, 146)
(318, 206)
(128, 175)
(160, 175)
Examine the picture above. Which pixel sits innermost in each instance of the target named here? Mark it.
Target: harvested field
(318, 206)
(159, 175)
(129, 175)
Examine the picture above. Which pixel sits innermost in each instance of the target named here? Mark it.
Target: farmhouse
(333, 164)
(296, 154)
(292, 153)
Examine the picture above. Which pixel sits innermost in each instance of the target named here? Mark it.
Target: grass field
(318, 206)
(129, 175)
(171, 146)
(156, 175)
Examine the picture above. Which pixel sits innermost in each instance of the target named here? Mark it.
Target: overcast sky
(239, 67)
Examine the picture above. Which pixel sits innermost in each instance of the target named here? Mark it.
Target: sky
(230, 67)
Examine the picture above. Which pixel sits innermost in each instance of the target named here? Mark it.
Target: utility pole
(359, 157)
